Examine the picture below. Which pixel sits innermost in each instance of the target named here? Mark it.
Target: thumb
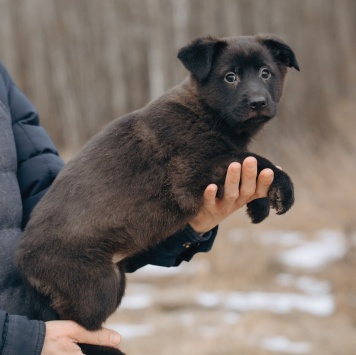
(103, 337)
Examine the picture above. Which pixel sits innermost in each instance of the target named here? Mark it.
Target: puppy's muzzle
(258, 103)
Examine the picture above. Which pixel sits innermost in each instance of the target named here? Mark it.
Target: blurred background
(287, 286)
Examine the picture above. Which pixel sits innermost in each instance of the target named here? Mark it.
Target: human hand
(214, 210)
(62, 337)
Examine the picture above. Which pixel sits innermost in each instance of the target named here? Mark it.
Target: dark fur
(142, 178)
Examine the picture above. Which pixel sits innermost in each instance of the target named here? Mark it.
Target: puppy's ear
(197, 56)
(280, 51)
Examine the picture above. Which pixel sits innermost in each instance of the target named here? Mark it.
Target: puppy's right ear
(197, 56)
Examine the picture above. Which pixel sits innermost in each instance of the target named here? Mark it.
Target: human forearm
(181, 246)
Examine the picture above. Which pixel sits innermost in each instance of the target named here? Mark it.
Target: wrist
(195, 231)
(197, 238)
(199, 228)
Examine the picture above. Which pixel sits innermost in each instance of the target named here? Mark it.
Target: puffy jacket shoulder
(38, 162)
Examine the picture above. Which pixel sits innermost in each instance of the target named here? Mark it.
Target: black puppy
(142, 178)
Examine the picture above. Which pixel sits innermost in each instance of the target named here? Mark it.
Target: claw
(279, 201)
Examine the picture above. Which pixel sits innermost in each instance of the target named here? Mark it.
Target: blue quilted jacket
(28, 164)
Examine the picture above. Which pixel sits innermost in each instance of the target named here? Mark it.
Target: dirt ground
(286, 286)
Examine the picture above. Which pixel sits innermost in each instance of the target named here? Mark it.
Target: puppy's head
(240, 78)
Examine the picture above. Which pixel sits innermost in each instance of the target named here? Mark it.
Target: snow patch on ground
(320, 305)
(329, 247)
(284, 345)
(306, 284)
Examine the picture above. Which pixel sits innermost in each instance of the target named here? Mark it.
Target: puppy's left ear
(280, 51)
(198, 56)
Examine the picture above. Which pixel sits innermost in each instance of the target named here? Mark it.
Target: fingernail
(115, 338)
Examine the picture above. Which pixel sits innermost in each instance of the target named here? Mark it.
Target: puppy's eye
(230, 77)
(265, 74)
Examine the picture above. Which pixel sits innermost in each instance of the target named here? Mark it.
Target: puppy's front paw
(258, 209)
(281, 193)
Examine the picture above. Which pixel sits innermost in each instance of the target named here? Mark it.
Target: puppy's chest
(187, 142)
(206, 159)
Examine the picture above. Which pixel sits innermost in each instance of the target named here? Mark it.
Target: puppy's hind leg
(92, 295)
(89, 349)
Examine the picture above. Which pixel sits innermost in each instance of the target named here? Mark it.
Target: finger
(104, 337)
(248, 178)
(210, 195)
(264, 181)
(232, 181)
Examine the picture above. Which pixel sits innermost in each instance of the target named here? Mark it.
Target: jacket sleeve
(19, 335)
(38, 160)
(181, 246)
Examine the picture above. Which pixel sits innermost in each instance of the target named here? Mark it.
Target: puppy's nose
(258, 103)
